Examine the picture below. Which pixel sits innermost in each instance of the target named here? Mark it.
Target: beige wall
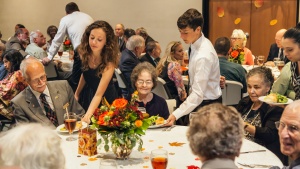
(159, 17)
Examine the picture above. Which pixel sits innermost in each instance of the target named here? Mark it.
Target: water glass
(108, 164)
(280, 65)
(276, 60)
(159, 159)
(260, 60)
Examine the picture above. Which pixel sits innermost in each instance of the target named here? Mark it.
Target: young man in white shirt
(204, 70)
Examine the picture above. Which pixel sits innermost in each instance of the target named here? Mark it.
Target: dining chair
(161, 89)
(51, 71)
(171, 105)
(5, 122)
(121, 79)
(232, 93)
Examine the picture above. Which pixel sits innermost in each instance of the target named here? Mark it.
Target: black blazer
(147, 58)
(273, 53)
(122, 45)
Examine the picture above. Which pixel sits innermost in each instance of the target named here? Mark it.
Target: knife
(254, 151)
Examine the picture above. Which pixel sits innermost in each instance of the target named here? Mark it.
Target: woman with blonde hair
(239, 40)
(99, 54)
(169, 69)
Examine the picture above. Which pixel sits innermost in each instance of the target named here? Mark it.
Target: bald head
(293, 107)
(119, 30)
(278, 37)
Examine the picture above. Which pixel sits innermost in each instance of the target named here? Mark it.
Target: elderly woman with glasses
(169, 69)
(12, 84)
(239, 40)
(143, 79)
(260, 117)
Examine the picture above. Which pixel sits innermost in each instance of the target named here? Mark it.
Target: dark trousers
(185, 120)
(76, 72)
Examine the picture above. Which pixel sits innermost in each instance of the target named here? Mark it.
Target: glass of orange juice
(159, 159)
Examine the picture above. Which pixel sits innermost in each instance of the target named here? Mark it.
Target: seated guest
(129, 59)
(35, 48)
(169, 69)
(143, 32)
(288, 131)
(128, 32)
(283, 85)
(276, 50)
(51, 31)
(258, 116)
(19, 41)
(231, 71)
(3, 71)
(239, 40)
(119, 31)
(2, 41)
(144, 79)
(12, 84)
(215, 135)
(152, 55)
(31, 146)
(43, 101)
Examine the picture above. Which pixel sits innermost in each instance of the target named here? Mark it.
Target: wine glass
(108, 164)
(159, 159)
(280, 65)
(260, 60)
(276, 60)
(70, 120)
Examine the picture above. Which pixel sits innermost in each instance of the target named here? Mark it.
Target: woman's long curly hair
(109, 52)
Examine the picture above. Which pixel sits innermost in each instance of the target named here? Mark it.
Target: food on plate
(159, 120)
(78, 126)
(275, 98)
(145, 115)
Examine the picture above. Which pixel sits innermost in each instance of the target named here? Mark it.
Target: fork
(255, 165)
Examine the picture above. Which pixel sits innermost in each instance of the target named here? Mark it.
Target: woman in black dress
(99, 53)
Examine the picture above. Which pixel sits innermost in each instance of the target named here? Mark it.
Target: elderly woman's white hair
(238, 33)
(31, 146)
(135, 41)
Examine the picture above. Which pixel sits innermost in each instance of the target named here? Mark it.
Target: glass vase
(122, 151)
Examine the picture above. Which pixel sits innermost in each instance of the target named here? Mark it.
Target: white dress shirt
(204, 75)
(73, 25)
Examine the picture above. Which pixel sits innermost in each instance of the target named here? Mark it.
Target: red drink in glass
(159, 162)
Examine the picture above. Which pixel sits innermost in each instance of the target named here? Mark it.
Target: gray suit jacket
(27, 108)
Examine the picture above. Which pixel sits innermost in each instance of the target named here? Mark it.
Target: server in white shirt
(204, 70)
(72, 25)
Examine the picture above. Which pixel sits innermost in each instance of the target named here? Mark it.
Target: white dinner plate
(61, 130)
(157, 126)
(262, 98)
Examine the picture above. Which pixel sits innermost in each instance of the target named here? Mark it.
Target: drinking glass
(280, 65)
(186, 59)
(108, 164)
(70, 120)
(276, 60)
(142, 109)
(159, 159)
(260, 60)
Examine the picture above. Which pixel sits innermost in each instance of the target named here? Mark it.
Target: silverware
(255, 165)
(168, 128)
(254, 151)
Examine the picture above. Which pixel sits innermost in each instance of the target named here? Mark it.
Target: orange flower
(138, 123)
(234, 54)
(101, 120)
(120, 103)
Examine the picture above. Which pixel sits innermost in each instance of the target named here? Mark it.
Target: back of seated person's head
(191, 18)
(2, 50)
(135, 41)
(142, 32)
(128, 33)
(216, 131)
(14, 57)
(18, 26)
(31, 146)
(71, 7)
(222, 45)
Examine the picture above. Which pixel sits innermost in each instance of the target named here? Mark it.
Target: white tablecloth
(274, 69)
(67, 64)
(156, 138)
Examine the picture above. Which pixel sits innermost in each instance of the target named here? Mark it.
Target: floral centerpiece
(236, 55)
(67, 45)
(122, 124)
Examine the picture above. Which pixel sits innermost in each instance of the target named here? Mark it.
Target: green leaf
(106, 147)
(99, 142)
(139, 131)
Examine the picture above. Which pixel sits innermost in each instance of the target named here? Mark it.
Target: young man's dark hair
(222, 45)
(129, 32)
(191, 18)
(71, 7)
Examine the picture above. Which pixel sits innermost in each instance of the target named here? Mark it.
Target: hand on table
(170, 120)
(46, 61)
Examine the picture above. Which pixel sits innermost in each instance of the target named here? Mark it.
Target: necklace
(94, 63)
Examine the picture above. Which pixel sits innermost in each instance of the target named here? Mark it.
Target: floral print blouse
(10, 86)
(174, 73)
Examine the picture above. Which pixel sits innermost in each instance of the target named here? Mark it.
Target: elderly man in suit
(152, 55)
(119, 31)
(130, 58)
(19, 41)
(43, 102)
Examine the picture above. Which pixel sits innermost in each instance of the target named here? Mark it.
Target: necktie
(49, 112)
(190, 52)
(155, 61)
(119, 41)
(281, 55)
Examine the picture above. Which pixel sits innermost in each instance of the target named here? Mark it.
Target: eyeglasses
(291, 128)
(43, 78)
(147, 82)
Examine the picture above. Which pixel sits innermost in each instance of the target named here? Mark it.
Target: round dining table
(66, 63)
(174, 141)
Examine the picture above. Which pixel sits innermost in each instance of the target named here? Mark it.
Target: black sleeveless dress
(92, 82)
